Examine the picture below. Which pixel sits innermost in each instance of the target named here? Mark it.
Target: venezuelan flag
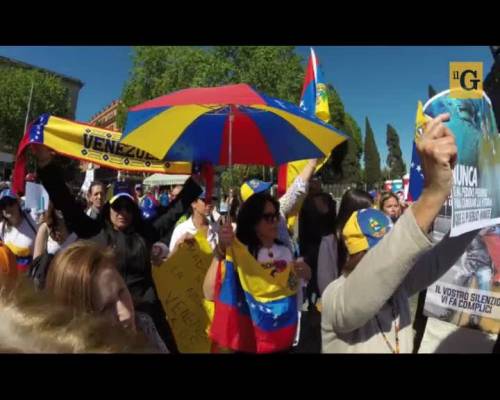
(255, 305)
(87, 143)
(416, 172)
(314, 101)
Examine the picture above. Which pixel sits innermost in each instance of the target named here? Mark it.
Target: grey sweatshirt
(399, 266)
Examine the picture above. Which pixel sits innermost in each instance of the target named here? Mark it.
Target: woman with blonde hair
(84, 276)
(32, 322)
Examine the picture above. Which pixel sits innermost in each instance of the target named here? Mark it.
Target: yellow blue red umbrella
(227, 125)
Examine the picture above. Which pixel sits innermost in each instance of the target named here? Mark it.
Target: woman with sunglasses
(121, 227)
(257, 228)
(17, 229)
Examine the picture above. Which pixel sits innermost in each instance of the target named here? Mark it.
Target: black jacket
(132, 246)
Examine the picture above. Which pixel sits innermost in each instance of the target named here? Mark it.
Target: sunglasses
(271, 217)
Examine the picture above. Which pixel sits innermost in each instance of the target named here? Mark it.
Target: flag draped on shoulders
(255, 304)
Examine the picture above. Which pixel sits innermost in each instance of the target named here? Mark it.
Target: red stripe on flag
(309, 76)
(232, 330)
(19, 173)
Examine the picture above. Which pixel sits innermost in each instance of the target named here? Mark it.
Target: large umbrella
(228, 125)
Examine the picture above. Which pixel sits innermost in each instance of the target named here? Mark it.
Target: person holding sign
(120, 226)
(366, 310)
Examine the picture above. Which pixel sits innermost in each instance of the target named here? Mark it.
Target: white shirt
(20, 240)
(275, 253)
(53, 247)
(188, 227)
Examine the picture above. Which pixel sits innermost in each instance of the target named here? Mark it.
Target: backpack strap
(28, 220)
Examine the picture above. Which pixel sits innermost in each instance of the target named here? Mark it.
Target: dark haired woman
(332, 251)
(257, 228)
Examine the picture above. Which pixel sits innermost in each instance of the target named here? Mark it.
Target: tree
(238, 175)
(344, 165)
(49, 96)
(386, 174)
(395, 163)
(372, 158)
(159, 70)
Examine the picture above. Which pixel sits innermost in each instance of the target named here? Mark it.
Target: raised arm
(42, 236)
(291, 201)
(350, 304)
(165, 225)
(51, 177)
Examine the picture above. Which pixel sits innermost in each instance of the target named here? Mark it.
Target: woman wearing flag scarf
(253, 281)
(367, 310)
(120, 226)
(17, 229)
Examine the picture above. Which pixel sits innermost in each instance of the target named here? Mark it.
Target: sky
(383, 83)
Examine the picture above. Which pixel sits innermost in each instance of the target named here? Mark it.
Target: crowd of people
(80, 271)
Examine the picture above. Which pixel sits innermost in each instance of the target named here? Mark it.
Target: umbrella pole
(230, 150)
(230, 158)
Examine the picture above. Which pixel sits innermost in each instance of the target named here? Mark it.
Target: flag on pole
(314, 100)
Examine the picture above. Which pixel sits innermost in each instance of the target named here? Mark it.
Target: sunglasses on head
(271, 217)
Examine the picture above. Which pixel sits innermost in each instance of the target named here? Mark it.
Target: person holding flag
(253, 282)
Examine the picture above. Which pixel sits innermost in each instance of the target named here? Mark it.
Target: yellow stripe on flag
(257, 280)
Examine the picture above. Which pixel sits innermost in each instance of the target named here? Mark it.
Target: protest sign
(179, 282)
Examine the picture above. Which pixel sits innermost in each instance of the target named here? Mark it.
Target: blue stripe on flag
(308, 101)
(416, 175)
(269, 316)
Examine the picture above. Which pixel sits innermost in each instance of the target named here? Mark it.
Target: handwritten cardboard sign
(179, 282)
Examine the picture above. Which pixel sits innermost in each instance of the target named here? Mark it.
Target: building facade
(72, 84)
(106, 118)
